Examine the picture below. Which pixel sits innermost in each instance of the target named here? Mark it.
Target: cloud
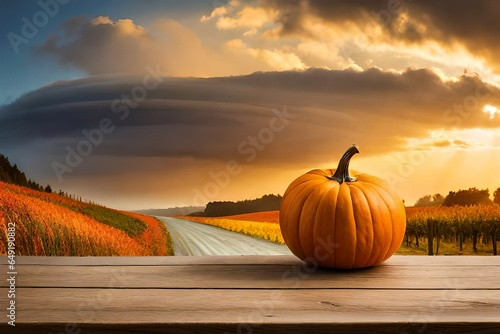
(277, 59)
(406, 20)
(187, 128)
(338, 33)
(444, 143)
(448, 140)
(102, 45)
(105, 46)
(460, 143)
(98, 46)
(252, 18)
(212, 116)
(217, 12)
(424, 22)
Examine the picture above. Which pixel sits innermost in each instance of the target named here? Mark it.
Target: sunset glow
(491, 110)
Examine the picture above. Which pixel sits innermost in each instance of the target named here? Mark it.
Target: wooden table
(253, 294)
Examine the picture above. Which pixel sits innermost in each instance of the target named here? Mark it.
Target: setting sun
(491, 110)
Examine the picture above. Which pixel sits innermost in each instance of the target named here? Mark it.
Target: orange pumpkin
(332, 219)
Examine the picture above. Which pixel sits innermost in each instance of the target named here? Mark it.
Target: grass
(130, 225)
(445, 248)
(155, 237)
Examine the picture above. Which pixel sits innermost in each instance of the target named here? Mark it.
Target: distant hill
(226, 208)
(177, 211)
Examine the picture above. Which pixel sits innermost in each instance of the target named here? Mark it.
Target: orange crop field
(264, 216)
(155, 238)
(49, 224)
(249, 224)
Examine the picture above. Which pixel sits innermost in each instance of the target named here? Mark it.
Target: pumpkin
(332, 219)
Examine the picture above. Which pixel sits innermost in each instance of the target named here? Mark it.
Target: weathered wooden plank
(333, 307)
(396, 260)
(259, 277)
(266, 328)
(259, 294)
(155, 260)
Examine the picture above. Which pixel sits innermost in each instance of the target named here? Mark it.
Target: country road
(191, 238)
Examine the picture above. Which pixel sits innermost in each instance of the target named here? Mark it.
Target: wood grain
(253, 294)
(258, 276)
(396, 260)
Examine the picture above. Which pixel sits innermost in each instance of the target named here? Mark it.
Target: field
(264, 216)
(49, 224)
(264, 225)
(451, 230)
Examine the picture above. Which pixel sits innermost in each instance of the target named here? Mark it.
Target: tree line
(226, 208)
(11, 174)
(466, 197)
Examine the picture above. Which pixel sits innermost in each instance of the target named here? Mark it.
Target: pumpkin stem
(342, 173)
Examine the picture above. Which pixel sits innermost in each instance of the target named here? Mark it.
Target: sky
(155, 104)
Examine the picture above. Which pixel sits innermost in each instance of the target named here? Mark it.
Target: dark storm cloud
(210, 119)
(475, 24)
(292, 13)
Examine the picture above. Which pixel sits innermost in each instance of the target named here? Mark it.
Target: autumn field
(54, 225)
(457, 230)
(453, 230)
(51, 224)
(264, 225)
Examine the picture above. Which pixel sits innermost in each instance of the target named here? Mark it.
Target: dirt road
(191, 238)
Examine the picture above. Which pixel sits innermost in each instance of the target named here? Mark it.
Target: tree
(496, 196)
(48, 189)
(472, 196)
(428, 200)
(12, 174)
(226, 208)
(437, 199)
(424, 201)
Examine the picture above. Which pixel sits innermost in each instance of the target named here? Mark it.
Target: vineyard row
(456, 224)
